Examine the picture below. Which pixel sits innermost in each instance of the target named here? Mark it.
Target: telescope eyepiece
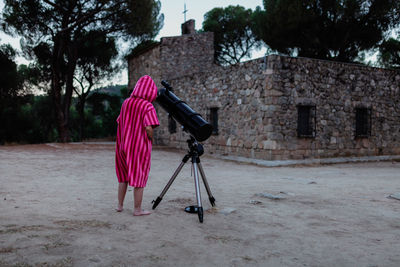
(166, 85)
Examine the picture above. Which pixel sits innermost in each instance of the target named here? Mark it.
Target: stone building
(276, 107)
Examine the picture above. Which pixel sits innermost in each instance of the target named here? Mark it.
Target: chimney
(188, 27)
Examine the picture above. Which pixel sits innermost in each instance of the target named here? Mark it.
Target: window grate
(306, 126)
(214, 120)
(363, 122)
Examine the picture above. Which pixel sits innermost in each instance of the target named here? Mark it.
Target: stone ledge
(279, 163)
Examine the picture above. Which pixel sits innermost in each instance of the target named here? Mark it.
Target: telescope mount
(195, 151)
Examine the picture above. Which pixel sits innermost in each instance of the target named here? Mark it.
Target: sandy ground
(57, 209)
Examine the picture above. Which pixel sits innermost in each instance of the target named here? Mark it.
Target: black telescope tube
(184, 114)
(166, 85)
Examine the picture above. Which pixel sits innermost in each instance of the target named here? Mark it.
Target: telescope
(200, 130)
(191, 121)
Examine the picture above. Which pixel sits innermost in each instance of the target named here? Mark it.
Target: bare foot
(119, 208)
(141, 212)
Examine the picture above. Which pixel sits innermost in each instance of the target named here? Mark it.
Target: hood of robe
(145, 88)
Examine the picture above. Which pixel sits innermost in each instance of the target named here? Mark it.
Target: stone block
(273, 92)
(270, 144)
(333, 140)
(268, 128)
(268, 72)
(229, 142)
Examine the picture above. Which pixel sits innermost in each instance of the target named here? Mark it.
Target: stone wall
(257, 101)
(257, 108)
(173, 57)
(187, 54)
(231, 90)
(336, 90)
(146, 63)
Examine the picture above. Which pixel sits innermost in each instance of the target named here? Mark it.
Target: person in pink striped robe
(136, 122)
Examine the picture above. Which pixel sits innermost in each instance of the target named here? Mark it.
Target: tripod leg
(158, 200)
(197, 187)
(203, 176)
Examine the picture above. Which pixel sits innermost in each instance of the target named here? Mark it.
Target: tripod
(194, 153)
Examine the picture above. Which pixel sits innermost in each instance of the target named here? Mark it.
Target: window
(306, 121)
(171, 125)
(363, 122)
(214, 120)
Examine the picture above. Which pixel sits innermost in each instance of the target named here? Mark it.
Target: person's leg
(137, 197)
(121, 195)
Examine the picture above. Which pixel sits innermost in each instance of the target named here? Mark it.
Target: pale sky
(173, 18)
(173, 12)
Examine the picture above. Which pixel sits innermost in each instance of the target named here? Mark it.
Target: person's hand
(150, 133)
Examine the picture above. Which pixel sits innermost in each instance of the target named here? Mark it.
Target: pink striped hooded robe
(133, 148)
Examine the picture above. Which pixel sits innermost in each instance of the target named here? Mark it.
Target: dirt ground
(57, 209)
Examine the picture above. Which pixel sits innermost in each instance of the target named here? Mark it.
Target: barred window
(171, 125)
(363, 122)
(214, 120)
(306, 121)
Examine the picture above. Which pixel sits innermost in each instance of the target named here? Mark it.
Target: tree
(325, 29)
(94, 64)
(61, 25)
(233, 36)
(23, 117)
(38, 74)
(10, 88)
(10, 84)
(107, 107)
(389, 53)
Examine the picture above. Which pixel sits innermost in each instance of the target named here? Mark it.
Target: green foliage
(26, 118)
(29, 119)
(10, 88)
(111, 90)
(390, 53)
(233, 36)
(10, 85)
(325, 29)
(106, 107)
(95, 54)
(43, 121)
(124, 92)
(63, 37)
(39, 20)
